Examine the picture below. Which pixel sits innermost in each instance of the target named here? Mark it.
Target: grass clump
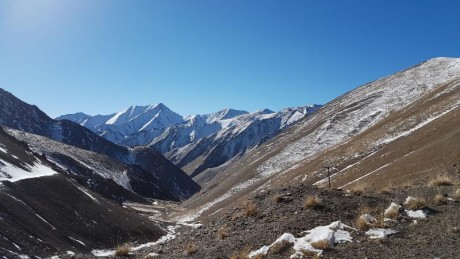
(365, 222)
(312, 202)
(122, 250)
(440, 199)
(223, 233)
(415, 203)
(456, 195)
(243, 254)
(441, 180)
(393, 211)
(358, 189)
(277, 198)
(321, 244)
(190, 249)
(279, 247)
(249, 209)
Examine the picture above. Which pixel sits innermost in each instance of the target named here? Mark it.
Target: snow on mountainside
(195, 137)
(149, 169)
(387, 128)
(227, 138)
(117, 127)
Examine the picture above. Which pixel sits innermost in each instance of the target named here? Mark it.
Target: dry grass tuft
(441, 180)
(223, 233)
(321, 244)
(122, 250)
(440, 199)
(190, 249)
(277, 198)
(456, 195)
(243, 254)
(358, 188)
(249, 209)
(312, 202)
(280, 247)
(415, 203)
(392, 213)
(361, 224)
(309, 253)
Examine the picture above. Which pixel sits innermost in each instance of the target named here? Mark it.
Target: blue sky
(199, 56)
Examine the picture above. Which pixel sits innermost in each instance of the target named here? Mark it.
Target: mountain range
(194, 143)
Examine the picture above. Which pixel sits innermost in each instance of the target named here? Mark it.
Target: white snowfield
(170, 234)
(12, 173)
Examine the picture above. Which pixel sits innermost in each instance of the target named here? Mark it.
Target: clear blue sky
(199, 56)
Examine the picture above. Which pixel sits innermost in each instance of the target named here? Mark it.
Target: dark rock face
(45, 215)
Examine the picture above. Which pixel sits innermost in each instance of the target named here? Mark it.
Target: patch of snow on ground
(12, 173)
(418, 214)
(380, 233)
(2, 149)
(171, 234)
(333, 233)
(76, 240)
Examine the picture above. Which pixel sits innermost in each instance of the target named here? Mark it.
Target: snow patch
(417, 214)
(334, 233)
(12, 173)
(380, 233)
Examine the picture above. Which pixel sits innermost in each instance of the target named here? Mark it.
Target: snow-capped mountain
(141, 170)
(119, 126)
(199, 144)
(195, 137)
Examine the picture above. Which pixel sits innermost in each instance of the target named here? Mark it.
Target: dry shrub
(456, 194)
(280, 247)
(362, 224)
(243, 254)
(365, 221)
(358, 189)
(321, 244)
(249, 209)
(392, 213)
(190, 249)
(223, 233)
(312, 202)
(441, 180)
(440, 199)
(277, 198)
(309, 253)
(415, 203)
(122, 250)
(386, 190)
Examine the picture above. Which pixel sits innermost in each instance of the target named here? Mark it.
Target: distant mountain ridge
(195, 138)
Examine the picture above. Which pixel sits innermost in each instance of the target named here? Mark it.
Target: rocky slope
(43, 210)
(399, 127)
(154, 173)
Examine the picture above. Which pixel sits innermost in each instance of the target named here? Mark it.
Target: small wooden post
(328, 176)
